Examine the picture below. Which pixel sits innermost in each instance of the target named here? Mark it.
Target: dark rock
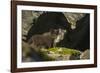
(78, 38)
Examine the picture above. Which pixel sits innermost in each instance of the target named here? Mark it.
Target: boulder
(85, 54)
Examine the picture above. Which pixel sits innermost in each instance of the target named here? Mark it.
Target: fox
(46, 40)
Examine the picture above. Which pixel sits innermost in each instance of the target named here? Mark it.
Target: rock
(79, 38)
(59, 54)
(25, 49)
(85, 54)
(28, 19)
(28, 59)
(75, 57)
(28, 55)
(73, 18)
(63, 57)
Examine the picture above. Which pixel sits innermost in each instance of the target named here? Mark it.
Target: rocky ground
(53, 54)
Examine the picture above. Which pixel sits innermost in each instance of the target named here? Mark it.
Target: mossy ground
(57, 50)
(64, 51)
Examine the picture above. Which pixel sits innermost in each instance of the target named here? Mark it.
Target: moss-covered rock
(59, 53)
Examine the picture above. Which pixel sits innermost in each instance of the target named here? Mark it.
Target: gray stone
(73, 18)
(85, 54)
(27, 20)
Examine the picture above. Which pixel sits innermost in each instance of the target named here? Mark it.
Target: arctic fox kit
(46, 40)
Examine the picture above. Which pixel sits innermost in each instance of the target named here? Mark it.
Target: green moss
(45, 56)
(57, 50)
(62, 50)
